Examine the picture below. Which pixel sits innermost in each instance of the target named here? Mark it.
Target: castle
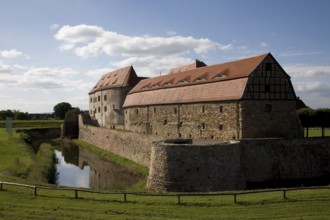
(242, 99)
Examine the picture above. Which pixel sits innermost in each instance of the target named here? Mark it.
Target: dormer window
(219, 76)
(182, 81)
(199, 79)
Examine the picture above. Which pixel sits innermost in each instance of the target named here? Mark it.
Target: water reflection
(78, 167)
(70, 174)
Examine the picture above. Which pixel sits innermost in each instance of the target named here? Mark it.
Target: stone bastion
(181, 165)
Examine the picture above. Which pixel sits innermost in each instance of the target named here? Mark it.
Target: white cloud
(54, 27)
(89, 41)
(12, 53)
(171, 33)
(153, 66)
(263, 44)
(311, 83)
(301, 70)
(97, 73)
(40, 78)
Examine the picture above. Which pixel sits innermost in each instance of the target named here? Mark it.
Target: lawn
(34, 123)
(317, 132)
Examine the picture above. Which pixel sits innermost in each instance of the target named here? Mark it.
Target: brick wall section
(134, 146)
(184, 167)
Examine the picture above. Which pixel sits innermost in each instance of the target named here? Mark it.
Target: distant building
(247, 98)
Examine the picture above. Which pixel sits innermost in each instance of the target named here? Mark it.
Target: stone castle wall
(271, 118)
(199, 121)
(106, 106)
(236, 166)
(134, 146)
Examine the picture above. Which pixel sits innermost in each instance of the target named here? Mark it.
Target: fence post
(35, 191)
(125, 197)
(284, 194)
(235, 199)
(179, 199)
(76, 194)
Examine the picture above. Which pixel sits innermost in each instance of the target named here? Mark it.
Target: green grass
(317, 132)
(34, 123)
(19, 203)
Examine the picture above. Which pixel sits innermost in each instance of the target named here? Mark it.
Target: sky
(54, 51)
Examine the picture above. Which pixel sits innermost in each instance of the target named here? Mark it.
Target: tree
(61, 109)
(72, 114)
(323, 118)
(307, 117)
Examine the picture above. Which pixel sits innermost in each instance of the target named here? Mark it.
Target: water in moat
(78, 167)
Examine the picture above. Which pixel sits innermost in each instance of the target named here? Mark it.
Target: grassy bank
(34, 123)
(19, 203)
(317, 132)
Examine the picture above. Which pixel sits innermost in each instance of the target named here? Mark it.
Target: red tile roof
(119, 78)
(210, 83)
(185, 68)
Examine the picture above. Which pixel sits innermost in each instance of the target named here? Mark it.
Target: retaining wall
(236, 166)
(134, 146)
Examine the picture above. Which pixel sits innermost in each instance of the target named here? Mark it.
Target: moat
(78, 167)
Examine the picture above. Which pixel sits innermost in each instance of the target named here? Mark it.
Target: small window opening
(91, 100)
(136, 111)
(203, 126)
(179, 134)
(203, 109)
(105, 108)
(99, 109)
(268, 67)
(165, 122)
(126, 112)
(221, 127)
(267, 88)
(221, 108)
(105, 97)
(113, 106)
(154, 110)
(99, 98)
(175, 110)
(268, 107)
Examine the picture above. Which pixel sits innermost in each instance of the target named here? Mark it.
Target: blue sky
(53, 51)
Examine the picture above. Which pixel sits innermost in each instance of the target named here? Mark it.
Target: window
(221, 127)
(175, 110)
(203, 126)
(268, 67)
(113, 106)
(91, 100)
(136, 111)
(126, 112)
(99, 109)
(165, 122)
(268, 108)
(105, 108)
(203, 109)
(105, 97)
(99, 98)
(154, 110)
(221, 108)
(267, 88)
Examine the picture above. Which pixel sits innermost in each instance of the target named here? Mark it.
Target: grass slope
(34, 123)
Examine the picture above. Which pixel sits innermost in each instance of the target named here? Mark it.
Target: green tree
(61, 109)
(72, 114)
(307, 117)
(323, 118)
(6, 113)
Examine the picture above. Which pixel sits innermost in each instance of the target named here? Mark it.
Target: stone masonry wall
(106, 106)
(199, 121)
(134, 146)
(273, 118)
(185, 167)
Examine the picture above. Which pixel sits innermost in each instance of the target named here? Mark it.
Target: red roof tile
(219, 82)
(119, 78)
(185, 68)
